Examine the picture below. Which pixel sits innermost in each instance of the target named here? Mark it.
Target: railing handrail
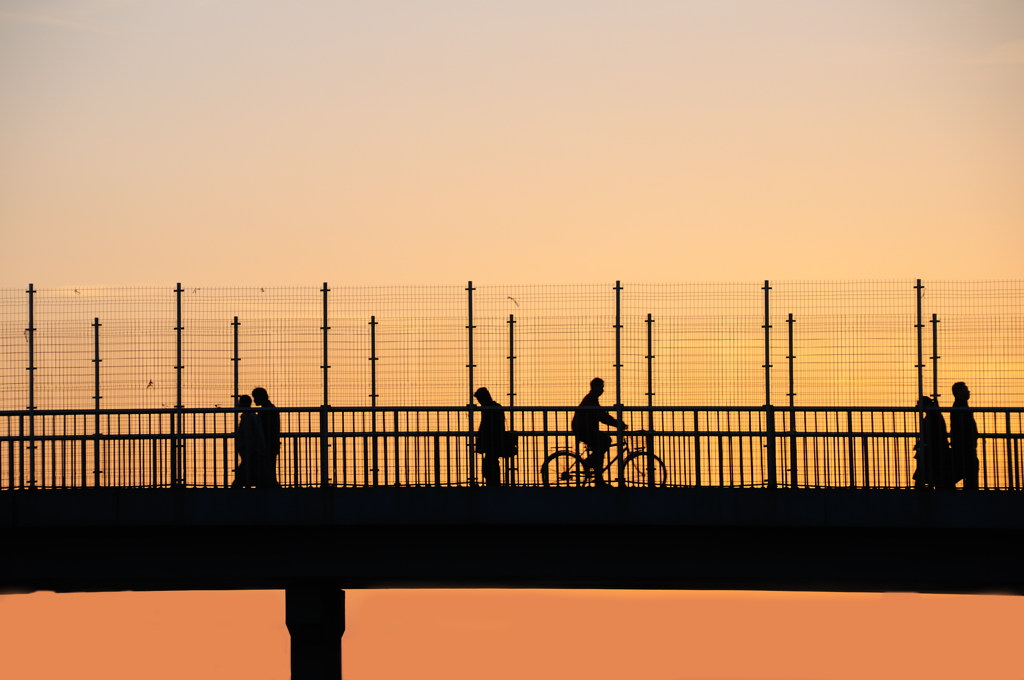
(516, 409)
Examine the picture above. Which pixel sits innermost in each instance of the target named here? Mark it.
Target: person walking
(270, 420)
(249, 445)
(490, 437)
(963, 436)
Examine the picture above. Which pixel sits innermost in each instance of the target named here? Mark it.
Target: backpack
(509, 445)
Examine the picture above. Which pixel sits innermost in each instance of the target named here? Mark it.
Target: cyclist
(586, 427)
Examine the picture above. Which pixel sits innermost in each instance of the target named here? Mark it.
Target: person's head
(243, 401)
(926, 402)
(597, 386)
(483, 395)
(260, 396)
(960, 391)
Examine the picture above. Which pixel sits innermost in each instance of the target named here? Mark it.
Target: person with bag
(491, 439)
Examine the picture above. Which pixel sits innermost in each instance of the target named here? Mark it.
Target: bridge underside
(693, 539)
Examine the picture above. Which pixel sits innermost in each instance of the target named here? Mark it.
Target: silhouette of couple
(257, 442)
(942, 461)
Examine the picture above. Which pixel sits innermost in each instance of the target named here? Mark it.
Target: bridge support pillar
(315, 617)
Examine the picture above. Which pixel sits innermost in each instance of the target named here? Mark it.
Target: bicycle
(640, 468)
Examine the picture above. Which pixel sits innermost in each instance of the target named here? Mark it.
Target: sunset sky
(266, 143)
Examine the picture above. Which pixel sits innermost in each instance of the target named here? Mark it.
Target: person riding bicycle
(586, 427)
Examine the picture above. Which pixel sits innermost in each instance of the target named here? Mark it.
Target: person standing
(586, 426)
(249, 446)
(935, 469)
(490, 437)
(963, 435)
(270, 420)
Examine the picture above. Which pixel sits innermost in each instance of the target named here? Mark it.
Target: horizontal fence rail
(678, 447)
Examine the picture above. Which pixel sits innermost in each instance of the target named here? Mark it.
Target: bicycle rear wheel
(643, 469)
(563, 468)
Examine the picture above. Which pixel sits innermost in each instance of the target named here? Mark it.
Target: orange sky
(262, 143)
(257, 143)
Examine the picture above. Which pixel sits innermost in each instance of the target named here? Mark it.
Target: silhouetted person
(490, 438)
(963, 435)
(586, 425)
(249, 445)
(270, 420)
(935, 465)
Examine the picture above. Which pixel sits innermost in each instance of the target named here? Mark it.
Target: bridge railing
(432, 446)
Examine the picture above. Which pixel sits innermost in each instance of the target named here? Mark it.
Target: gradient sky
(267, 143)
(249, 142)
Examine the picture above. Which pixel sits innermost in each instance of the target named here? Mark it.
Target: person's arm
(608, 419)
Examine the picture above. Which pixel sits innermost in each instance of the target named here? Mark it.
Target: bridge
(751, 498)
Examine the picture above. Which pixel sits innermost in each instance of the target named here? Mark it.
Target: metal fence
(727, 344)
(857, 447)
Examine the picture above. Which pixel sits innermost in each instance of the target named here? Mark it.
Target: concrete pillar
(315, 617)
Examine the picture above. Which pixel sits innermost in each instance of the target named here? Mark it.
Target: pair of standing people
(945, 459)
(257, 441)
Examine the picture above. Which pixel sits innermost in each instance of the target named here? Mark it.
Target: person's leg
(595, 461)
(492, 471)
(971, 473)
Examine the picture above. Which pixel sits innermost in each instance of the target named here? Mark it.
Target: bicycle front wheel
(563, 468)
(643, 469)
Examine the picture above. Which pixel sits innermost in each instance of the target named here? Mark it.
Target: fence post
(618, 377)
(325, 479)
(920, 343)
(177, 419)
(470, 408)
(935, 358)
(234, 361)
(793, 477)
(373, 398)
(31, 330)
(96, 401)
(229, 458)
(769, 411)
(649, 442)
(509, 461)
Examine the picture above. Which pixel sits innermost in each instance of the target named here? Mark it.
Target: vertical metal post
(234, 361)
(650, 399)
(178, 328)
(470, 366)
(511, 370)
(769, 411)
(96, 405)
(509, 466)
(229, 459)
(767, 346)
(325, 479)
(793, 477)
(618, 374)
(373, 397)
(920, 342)
(177, 420)
(935, 358)
(31, 331)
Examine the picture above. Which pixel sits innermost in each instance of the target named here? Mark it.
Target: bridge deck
(845, 540)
